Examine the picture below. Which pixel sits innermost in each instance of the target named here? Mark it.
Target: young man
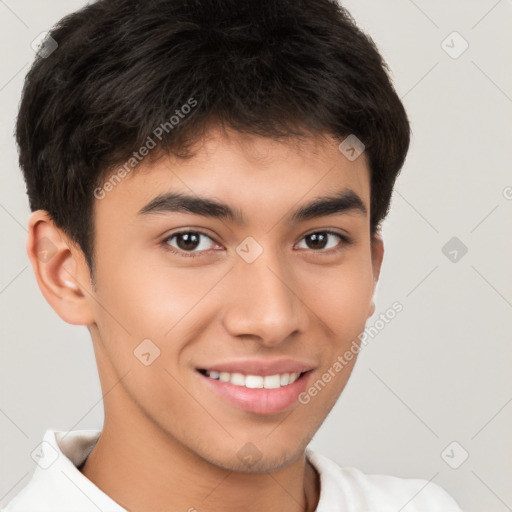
(208, 179)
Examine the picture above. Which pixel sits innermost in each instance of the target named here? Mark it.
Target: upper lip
(263, 367)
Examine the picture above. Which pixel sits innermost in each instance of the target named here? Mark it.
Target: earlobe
(372, 309)
(59, 270)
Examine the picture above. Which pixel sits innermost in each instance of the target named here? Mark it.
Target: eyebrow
(343, 202)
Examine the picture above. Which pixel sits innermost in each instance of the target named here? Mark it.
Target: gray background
(440, 371)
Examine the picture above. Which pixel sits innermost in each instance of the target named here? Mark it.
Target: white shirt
(58, 486)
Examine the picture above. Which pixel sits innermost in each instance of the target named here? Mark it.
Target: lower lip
(259, 400)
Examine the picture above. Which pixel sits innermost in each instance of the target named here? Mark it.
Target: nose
(264, 301)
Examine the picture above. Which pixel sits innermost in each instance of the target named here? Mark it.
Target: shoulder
(56, 483)
(361, 492)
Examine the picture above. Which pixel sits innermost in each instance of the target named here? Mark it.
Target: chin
(250, 459)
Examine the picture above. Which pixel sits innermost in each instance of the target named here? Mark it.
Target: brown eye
(324, 240)
(317, 240)
(189, 241)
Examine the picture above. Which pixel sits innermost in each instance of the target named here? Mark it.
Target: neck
(143, 468)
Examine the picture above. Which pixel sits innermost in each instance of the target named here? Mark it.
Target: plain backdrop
(434, 385)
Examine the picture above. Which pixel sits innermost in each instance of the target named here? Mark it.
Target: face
(197, 306)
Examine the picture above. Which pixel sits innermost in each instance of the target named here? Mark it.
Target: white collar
(58, 485)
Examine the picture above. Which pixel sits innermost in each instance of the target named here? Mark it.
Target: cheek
(341, 296)
(147, 297)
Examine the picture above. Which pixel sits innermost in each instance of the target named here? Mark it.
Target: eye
(191, 242)
(325, 241)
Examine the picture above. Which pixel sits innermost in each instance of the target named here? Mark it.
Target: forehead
(247, 171)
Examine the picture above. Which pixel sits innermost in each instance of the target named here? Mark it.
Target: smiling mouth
(276, 381)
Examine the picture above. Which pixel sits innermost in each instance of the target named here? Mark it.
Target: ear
(60, 269)
(377, 249)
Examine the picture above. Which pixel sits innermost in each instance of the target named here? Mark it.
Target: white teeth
(255, 381)
(238, 379)
(285, 379)
(223, 376)
(272, 381)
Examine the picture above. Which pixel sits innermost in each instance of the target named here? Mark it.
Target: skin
(168, 442)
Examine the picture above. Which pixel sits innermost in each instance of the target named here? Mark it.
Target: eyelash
(344, 238)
